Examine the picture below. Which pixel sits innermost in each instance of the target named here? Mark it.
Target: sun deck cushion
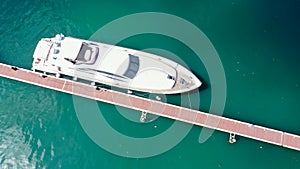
(87, 54)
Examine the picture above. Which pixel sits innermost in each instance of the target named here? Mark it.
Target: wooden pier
(195, 117)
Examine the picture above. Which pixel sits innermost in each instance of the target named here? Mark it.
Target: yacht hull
(112, 65)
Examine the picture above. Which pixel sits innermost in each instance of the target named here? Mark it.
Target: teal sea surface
(258, 46)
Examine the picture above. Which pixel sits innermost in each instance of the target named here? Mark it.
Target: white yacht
(112, 65)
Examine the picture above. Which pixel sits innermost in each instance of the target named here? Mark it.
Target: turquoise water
(257, 43)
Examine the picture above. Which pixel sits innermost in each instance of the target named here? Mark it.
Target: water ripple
(28, 116)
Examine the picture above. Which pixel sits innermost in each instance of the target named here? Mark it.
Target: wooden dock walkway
(195, 117)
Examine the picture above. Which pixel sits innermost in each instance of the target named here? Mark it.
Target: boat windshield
(133, 66)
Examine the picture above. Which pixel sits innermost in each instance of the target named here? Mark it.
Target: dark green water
(257, 42)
